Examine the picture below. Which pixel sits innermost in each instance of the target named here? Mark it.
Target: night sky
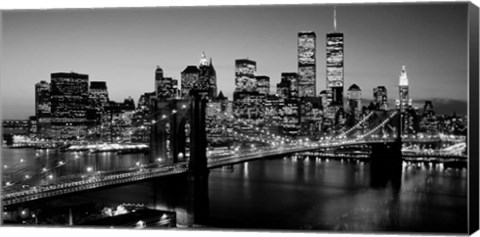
(123, 47)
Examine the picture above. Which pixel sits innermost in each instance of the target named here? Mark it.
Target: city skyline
(433, 51)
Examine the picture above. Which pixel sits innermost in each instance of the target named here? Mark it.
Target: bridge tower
(179, 135)
(386, 160)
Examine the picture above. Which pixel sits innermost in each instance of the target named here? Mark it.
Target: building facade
(354, 96)
(403, 90)
(43, 107)
(263, 84)
(335, 76)
(307, 64)
(207, 81)
(166, 88)
(380, 97)
(98, 98)
(70, 102)
(189, 77)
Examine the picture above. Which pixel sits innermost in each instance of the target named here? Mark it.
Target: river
(294, 194)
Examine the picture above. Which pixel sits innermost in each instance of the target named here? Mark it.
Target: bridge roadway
(88, 184)
(78, 184)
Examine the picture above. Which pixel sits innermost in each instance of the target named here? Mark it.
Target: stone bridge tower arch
(179, 129)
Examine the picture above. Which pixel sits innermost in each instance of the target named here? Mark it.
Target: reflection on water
(39, 164)
(287, 193)
(291, 193)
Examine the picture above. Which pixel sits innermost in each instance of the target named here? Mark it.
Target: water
(296, 194)
(334, 195)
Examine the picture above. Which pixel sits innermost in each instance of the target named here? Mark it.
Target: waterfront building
(70, 102)
(98, 98)
(120, 117)
(43, 107)
(306, 64)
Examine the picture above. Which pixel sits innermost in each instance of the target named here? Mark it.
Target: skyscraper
(166, 88)
(306, 64)
(189, 77)
(335, 57)
(212, 79)
(283, 88)
(292, 79)
(246, 98)
(245, 75)
(354, 95)
(403, 90)
(98, 98)
(69, 96)
(263, 84)
(380, 97)
(207, 80)
(43, 105)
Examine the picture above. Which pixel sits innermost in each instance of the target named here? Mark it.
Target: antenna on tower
(335, 18)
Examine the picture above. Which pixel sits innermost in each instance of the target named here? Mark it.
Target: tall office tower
(271, 107)
(290, 122)
(283, 88)
(306, 64)
(213, 79)
(335, 57)
(189, 77)
(98, 98)
(403, 90)
(263, 84)
(69, 97)
(207, 80)
(246, 99)
(43, 106)
(354, 96)
(245, 75)
(380, 97)
(292, 78)
(166, 88)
